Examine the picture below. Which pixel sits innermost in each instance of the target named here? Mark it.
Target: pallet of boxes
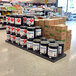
(55, 28)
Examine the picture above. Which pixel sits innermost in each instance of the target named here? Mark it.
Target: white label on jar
(13, 38)
(17, 39)
(12, 20)
(30, 21)
(60, 50)
(36, 46)
(12, 29)
(23, 32)
(18, 21)
(52, 52)
(24, 19)
(7, 27)
(30, 34)
(29, 44)
(17, 30)
(38, 32)
(7, 19)
(8, 36)
(23, 41)
(43, 49)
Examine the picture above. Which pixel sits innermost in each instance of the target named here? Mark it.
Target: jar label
(38, 32)
(7, 28)
(23, 32)
(29, 44)
(13, 38)
(17, 39)
(12, 20)
(24, 19)
(36, 46)
(30, 34)
(23, 41)
(17, 30)
(7, 19)
(52, 52)
(8, 36)
(12, 29)
(60, 50)
(18, 21)
(30, 21)
(43, 49)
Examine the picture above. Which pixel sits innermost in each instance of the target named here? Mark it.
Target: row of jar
(20, 20)
(48, 47)
(30, 32)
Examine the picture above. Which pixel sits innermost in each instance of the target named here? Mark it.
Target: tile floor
(17, 62)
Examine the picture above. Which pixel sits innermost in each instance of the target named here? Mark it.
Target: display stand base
(38, 54)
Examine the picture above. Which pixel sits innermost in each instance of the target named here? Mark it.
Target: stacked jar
(12, 28)
(23, 36)
(8, 27)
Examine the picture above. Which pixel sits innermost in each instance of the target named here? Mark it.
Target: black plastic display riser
(37, 53)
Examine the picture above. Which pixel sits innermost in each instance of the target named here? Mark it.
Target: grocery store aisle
(17, 62)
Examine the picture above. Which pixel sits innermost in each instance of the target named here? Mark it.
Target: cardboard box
(61, 27)
(64, 19)
(52, 29)
(60, 37)
(51, 36)
(41, 22)
(36, 22)
(56, 21)
(49, 22)
(61, 21)
(69, 34)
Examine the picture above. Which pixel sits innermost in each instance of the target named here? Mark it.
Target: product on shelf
(25, 20)
(18, 20)
(23, 30)
(30, 32)
(17, 40)
(23, 41)
(13, 37)
(43, 39)
(36, 45)
(53, 50)
(8, 28)
(12, 29)
(51, 40)
(12, 19)
(30, 20)
(17, 30)
(38, 32)
(8, 19)
(44, 47)
(60, 47)
(29, 44)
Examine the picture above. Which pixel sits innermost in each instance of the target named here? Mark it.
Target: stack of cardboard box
(55, 29)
